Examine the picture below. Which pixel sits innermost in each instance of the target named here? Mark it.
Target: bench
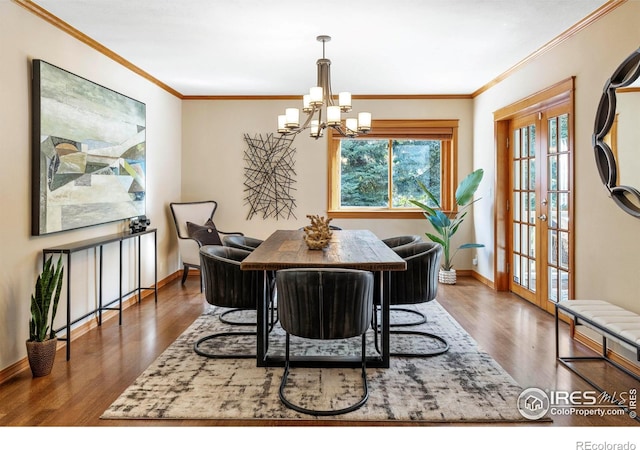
(611, 321)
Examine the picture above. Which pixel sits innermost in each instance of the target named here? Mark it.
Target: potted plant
(42, 342)
(446, 225)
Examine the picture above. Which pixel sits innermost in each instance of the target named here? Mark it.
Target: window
(375, 175)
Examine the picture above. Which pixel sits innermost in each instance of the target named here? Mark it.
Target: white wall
(607, 244)
(24, 37)
(213, 165)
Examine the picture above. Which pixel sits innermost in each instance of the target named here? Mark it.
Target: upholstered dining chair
(241, 242)
(418, 284)
(324, 304)
(248, 244)
(226, 286)
(395, 242)
(195, 228)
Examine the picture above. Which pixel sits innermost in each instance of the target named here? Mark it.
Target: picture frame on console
(88, 152)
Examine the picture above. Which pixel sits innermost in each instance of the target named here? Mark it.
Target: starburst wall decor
(269, 176)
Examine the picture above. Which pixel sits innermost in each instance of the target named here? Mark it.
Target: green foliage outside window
(365, 171)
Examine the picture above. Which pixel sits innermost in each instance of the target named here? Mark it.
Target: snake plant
(45, 300)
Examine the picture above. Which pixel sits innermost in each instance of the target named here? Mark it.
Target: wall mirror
(616, 135)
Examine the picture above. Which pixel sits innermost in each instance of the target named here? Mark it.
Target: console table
(98, 243)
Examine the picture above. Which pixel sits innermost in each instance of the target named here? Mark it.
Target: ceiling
(269, 47)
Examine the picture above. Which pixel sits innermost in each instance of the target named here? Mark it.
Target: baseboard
(475, 275)
(23, 364)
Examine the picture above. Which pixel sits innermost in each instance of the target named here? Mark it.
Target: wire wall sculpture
(269, 176)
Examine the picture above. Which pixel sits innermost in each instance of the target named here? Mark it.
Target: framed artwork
(88, 152)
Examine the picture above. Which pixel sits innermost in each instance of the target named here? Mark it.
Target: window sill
(374, 214)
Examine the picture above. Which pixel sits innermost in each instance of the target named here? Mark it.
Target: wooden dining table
(352, 249)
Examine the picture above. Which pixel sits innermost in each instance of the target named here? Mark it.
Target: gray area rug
(464, 385)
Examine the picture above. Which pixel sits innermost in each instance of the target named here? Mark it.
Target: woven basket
(41, 356)
(447, 276)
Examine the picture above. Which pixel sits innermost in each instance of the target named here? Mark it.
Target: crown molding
(597, 14)
(64, 26)
(356, 97)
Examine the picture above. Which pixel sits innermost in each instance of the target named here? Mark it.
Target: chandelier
(321, 110)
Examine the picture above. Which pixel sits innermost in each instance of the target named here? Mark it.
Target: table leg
(155, 265)
(100, 286)
(262, 321)
(68, 306)
(385, 292)
(139, 270)
(120, 286)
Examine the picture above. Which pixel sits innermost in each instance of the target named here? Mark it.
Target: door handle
(542, 217)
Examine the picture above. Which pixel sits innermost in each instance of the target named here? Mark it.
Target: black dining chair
(325, 304)
(248, 244)
(418, 284)
(226, 286)
(397, 241)
(394, 243)
(242, 242)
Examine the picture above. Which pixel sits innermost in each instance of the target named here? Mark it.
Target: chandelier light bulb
(352, 126)
(306, 103)
(344, 100)
(364, 122)
(282, 120)
(315, 129)
(315, 94)
(292, 118)
(333, 115)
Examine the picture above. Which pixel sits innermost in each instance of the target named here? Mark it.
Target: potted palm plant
(42, 342)
(447, 224)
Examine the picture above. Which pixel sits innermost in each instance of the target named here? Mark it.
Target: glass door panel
(558, 195)
(540, 194)
(523, 198)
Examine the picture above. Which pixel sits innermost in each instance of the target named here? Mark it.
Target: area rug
(463, 385)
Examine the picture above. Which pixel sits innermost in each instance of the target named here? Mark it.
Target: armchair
(200, 216)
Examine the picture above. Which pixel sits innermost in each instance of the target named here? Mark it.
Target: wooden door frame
(560, 92)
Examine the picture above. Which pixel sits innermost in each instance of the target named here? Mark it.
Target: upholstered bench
(611, 321)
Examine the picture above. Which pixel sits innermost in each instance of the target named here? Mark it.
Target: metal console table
(98, 243)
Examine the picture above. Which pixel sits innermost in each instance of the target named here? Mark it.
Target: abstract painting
(88, 155)
(269, 176)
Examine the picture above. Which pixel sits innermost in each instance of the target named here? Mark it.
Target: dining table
(351, 249)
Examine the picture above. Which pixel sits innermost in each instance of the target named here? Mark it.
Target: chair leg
(422, 318)
(334, 412)
(185, 272)
(201, 352)
(233, 322)
(443, 348)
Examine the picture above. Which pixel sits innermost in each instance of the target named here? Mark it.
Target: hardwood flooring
(107, 359)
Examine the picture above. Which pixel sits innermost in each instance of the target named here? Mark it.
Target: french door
(540, 206)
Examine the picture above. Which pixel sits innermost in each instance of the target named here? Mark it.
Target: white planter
(447, 276)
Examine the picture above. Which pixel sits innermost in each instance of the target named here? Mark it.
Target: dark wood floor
(106, 360)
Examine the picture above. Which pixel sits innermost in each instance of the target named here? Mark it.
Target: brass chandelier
(321, 110)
